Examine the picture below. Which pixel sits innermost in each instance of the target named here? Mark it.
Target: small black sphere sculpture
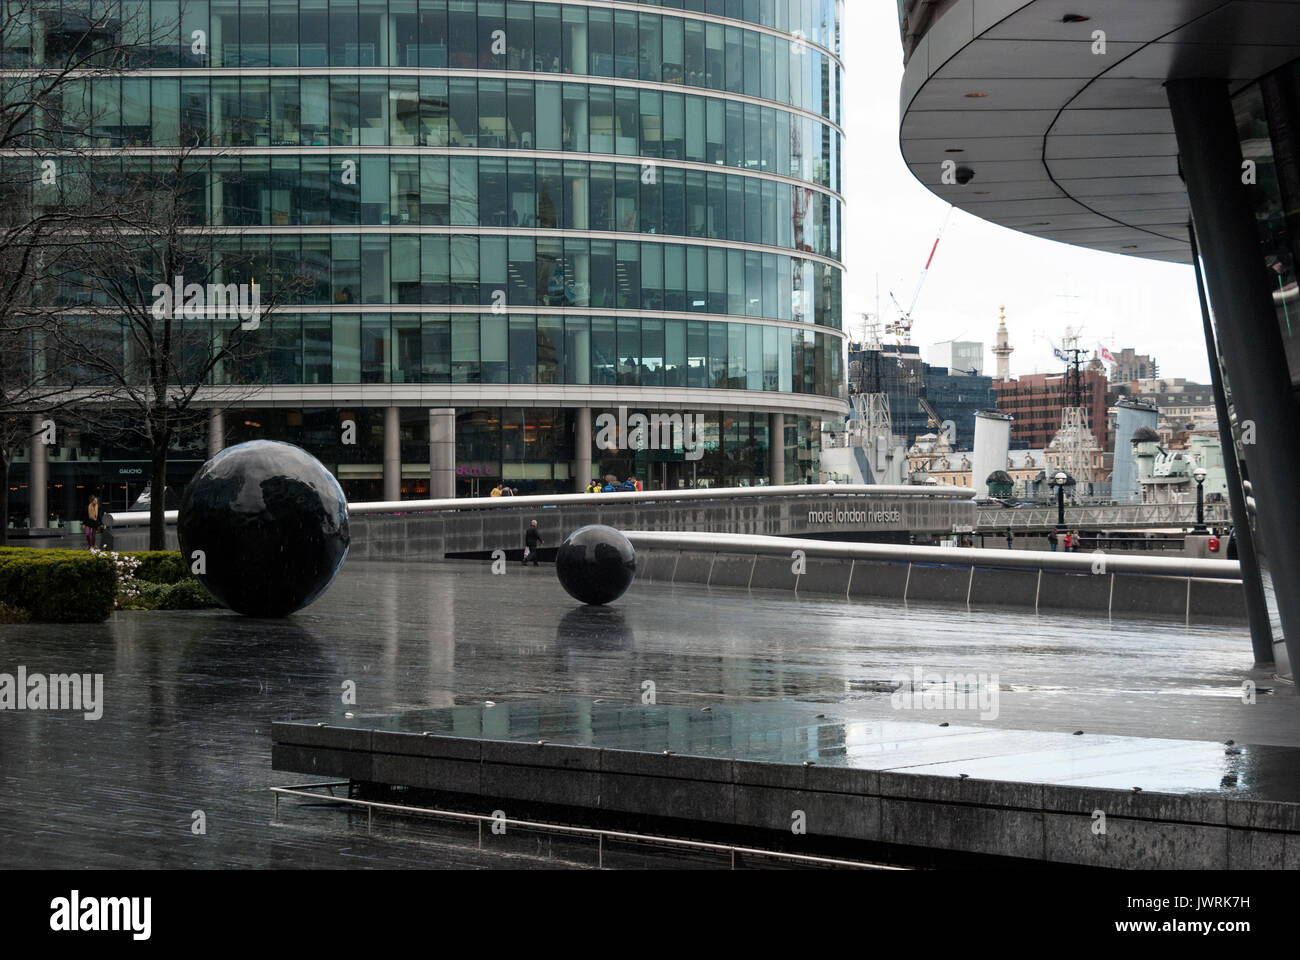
(272, 525)
(595, 564)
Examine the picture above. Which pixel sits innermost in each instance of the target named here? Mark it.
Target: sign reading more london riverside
(873, 515)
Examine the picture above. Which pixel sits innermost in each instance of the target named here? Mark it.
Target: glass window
(629, 351)
(550, 123)
(577, 350)
(652, 276)
(373, 27)
(404, 111)
(406, 32)
(650, 52)
(547, 31)
(345, 111)
(433, 112)
(253, 26)
(575, 40)
(519, 113)
(374, 347)
(194, 16)
(313, 33)
(602, 196)
(600, 33)
(604, 351)
(577, 201)
(462, 34)
(492, 44)
(464, 349)
(674, 354)
(522, 271)
(492, 191)
(317, 340)
(674, 278)
(674, 202)
(550, 194)
(651, 123)
(343, 33)
(464, 191)
(492, 270)
(433, 33)
(576, 123)
(435, 269)
(346, 348)
(519, 36)
(373, 180)
(523, 350)
(435, 348)
(550, 350)
(464, 270)
(406, 338)
(406, 268)
(494, 348)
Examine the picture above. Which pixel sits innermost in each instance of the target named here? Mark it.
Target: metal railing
(601, 835)
(646, 496)
(1114, 515)
(945, 556)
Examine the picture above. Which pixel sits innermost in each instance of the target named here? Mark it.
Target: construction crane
(903, 326)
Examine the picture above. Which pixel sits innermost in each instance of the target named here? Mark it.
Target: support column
(776, 448)
(216, 432)
(38, 479)
(392, 454)
(442, 453)
(581, 449)
(1261, 630)
(1247, 327)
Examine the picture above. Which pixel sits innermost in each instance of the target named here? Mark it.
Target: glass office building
(516, 214)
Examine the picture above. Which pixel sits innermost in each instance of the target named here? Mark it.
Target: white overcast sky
(892, 221)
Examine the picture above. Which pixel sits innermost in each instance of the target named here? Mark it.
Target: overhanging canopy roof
(1067, 143)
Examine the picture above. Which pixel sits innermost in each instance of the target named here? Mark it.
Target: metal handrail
(141, 518)
(301, 790)
(946, 556)
(650, 496)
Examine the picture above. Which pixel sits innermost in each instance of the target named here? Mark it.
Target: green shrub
(159, 566)
(58, 586)
(187, 594)
(148, 596)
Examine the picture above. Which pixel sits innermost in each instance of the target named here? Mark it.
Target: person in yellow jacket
(496, 491)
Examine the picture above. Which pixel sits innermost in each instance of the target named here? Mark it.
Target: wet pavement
(190, 696)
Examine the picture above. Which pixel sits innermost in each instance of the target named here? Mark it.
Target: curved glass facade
(643, 194)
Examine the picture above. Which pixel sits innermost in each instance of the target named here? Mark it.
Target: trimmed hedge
(159, 566)
(58, 586)
(187, 594)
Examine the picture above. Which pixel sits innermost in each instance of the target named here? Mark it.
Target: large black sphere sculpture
(595, 564)
(272, 525)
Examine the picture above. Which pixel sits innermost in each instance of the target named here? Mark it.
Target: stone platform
(1094, 800)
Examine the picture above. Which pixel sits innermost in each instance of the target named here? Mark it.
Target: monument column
(392, 454)
(38, 480)
(216, 432)
(581, 449)
(442, 453)
(776, 448)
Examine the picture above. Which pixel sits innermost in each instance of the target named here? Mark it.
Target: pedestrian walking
(1052, 540)
(1011, 540)
(611, 484)
(507, 491)
(92, 522)
(496, 491)
(594, 486)
(1076, 541)
(1067, 541)
(532, 540)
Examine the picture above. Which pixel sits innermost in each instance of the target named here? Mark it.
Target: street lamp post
(1199, 475)
(1060, 479)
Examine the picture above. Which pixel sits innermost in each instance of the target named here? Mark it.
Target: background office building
(1138, 129)
(514, 217)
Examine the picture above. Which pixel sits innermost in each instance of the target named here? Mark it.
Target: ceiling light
(954, 150)
(1074, 18)
(976, 96)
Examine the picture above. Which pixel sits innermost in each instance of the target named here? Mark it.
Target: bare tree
(47, 54)
(177, 313)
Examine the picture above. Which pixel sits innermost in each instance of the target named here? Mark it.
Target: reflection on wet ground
(190, 696)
